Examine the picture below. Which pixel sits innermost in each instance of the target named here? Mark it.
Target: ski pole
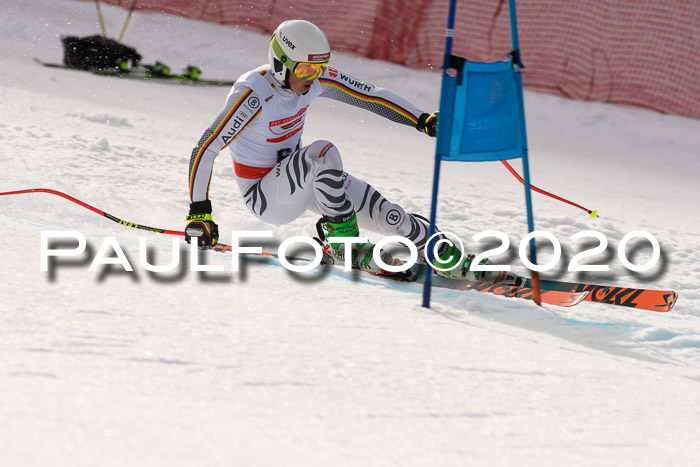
(593, 213)
(219, 247)
(95, 210)
(102, 21)
(128, 17)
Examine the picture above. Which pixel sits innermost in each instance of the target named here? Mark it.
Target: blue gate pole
(449, 34)
(517, 66)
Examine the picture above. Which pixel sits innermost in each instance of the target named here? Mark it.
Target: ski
(147, 72)
(563, 298)
(550, 297)
(643, 299)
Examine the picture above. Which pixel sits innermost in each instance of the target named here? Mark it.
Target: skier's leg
(378, 214)
(310, 176)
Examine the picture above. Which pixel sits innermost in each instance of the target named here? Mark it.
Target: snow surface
(267, 368)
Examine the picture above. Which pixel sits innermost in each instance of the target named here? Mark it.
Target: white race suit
(279, 179)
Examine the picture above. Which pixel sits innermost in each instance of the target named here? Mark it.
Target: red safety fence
(637, 52)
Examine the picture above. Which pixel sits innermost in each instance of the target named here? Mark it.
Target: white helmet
(300, 47)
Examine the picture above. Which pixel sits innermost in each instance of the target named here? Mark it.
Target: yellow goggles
(309, 71)
(303, 70)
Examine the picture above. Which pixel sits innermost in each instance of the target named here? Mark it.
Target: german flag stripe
(213, 136)
(366, 98)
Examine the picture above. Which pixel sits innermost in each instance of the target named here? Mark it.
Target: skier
(279, 178)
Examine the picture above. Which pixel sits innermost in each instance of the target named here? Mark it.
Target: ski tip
(669, 300)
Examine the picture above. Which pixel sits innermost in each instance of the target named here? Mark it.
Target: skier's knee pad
(393, 220)
(388, 218)
(324, 153)
(392, 217)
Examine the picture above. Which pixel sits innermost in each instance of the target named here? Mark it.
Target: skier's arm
(236, 115)
(233, 119)
(344, 88)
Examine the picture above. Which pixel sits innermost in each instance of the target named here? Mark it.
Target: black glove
(201, 225)
(427, 123)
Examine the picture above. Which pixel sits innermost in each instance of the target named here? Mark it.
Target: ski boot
(362, 254)
(448, 258)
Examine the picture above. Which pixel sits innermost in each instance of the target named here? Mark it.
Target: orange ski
(550, 297)
(643, 299)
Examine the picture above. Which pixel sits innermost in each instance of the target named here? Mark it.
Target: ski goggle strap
(304, 70)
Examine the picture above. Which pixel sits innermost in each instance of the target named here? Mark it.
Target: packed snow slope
(269, 368)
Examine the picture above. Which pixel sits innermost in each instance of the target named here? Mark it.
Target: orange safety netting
(638, 52)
